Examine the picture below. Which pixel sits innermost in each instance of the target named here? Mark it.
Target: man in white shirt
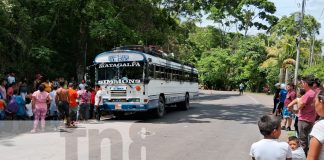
(98, 102)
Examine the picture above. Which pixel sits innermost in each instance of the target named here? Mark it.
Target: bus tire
(160, 110)
(185, 104)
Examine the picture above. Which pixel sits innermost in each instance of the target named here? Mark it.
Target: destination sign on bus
(118, 57)
(120, 81)
(127, 64)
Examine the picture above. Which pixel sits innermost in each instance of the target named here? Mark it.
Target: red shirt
(93, 95)
(290, 97)
(308, 113)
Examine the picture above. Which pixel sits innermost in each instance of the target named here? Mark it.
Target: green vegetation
(59, 38)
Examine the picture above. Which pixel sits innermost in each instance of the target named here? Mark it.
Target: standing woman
(40, 99)
(316, 148)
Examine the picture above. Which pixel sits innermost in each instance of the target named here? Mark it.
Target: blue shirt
(53, 104)
(21, 103)
(282, 95)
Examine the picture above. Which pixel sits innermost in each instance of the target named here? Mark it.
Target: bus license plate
(118, 107)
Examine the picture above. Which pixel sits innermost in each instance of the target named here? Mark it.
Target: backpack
(12, 106)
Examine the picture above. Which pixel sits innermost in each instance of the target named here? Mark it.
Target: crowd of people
(307, 109)
(52, 100)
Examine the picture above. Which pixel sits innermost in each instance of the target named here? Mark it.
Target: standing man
(307, 114)
(84, 96)
(62, 101)
(98, 102)
(282, 98)
(241, 88)
(276, 98)
(73, 96)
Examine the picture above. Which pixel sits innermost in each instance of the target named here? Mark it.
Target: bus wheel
(185, 104)
(160, 111)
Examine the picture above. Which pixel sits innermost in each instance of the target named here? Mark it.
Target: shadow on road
(205, 113)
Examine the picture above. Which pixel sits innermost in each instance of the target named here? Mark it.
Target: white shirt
(318, 133)
(11, 79)
(270, 149)
(97, 98)
(298, 154)
(29, 109)
(241, 86)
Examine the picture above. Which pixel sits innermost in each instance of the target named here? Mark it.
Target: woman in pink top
(39, 104)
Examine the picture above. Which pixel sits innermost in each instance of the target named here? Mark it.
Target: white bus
(136, 78)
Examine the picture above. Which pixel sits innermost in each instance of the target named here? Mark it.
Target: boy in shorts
(287, 115)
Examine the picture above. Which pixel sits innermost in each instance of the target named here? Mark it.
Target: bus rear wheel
(185, 104)
(160, 110)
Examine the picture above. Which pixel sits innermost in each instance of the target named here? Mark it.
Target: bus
(137, 79)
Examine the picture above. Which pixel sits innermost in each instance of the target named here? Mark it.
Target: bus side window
(158, 72)
(187, 76)
(181, 77)
(168, 73)
(174, 75)
(163, 75)
(151, 71)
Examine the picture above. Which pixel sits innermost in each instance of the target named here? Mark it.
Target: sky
(286, 7)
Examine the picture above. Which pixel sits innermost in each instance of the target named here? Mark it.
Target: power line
(297, 3)
(321, 13)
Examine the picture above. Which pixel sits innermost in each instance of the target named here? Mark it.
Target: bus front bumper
(125, 107)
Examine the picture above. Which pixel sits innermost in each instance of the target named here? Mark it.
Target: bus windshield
(121, 72)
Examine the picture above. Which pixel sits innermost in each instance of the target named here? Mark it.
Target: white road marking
(254, 100)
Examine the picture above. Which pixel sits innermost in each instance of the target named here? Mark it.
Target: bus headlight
(138, 88)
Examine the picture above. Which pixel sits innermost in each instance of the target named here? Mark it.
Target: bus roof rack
(131, 47)
(154, 50)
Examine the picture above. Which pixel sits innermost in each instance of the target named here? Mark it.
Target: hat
(282, 86)
(277, 84)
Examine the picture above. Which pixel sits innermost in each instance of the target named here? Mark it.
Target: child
(287, 115)
(269, 147)
(29, 108)
(316, 148)
(297, 151)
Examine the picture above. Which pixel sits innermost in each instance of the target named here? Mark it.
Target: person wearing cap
(282, 98)
(276, 98)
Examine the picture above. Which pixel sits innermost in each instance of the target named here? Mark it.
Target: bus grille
(118, 93)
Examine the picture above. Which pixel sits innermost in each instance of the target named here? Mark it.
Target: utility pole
(298, 41)
(312, 50)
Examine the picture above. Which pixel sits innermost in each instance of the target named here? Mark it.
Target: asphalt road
(218, 126)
